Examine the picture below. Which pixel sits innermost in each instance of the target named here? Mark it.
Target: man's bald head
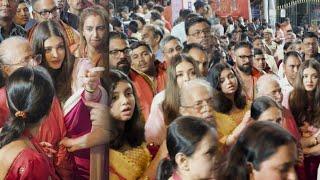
(44, 10)
(187, 90)
(13, 51)
(268, 85)
(196, 99)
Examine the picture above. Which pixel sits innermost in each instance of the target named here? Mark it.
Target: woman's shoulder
(29, 163)
(18, 157)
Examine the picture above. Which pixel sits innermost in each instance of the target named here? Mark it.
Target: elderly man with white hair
(268, 85)
(196, 99)
(16, 52)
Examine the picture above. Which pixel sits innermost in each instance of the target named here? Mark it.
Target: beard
(247, 69)
(124, 65)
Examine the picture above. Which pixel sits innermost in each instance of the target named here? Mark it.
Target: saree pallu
(227, 123)
(78, 123)
(128, 165)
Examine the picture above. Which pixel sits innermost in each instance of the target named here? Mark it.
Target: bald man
(44, 10)
(268, 85)
(22, 54)
(196, 99)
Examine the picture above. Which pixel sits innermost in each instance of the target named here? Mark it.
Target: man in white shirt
(291, 64)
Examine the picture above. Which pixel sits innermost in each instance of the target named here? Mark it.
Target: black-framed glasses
(46, 13)
(126, 51)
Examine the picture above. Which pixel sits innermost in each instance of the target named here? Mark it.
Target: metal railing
(300, 12)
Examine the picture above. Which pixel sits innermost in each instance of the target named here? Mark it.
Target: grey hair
(186, 89)
(267, 78)
(8, 45)
(167, 39)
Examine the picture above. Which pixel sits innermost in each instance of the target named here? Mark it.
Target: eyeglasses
(33, 60)
(198, 33)
(46, 13)
(116, 53)
(201, 104)
(171, 50)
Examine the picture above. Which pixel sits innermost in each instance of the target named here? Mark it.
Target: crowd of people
(90, 91)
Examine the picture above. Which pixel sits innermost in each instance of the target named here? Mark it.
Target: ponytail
(29, 93)
(12, 130)
(165, 169)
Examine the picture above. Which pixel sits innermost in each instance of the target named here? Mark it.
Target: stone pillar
(266, 10)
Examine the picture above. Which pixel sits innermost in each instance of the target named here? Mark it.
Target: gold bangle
(89, 90)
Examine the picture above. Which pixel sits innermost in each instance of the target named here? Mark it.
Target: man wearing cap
(271, 46)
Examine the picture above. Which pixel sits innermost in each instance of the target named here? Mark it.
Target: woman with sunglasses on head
(93, 43)
(30, 94)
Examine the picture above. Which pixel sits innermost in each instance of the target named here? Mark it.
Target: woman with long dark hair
(193, 147)
(304, 102)
(50, 41)
(165, 105)
(230, 103)
(128, 129)
(263, 151)
(30, 94)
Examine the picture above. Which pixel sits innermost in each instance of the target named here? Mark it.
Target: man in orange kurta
(148, 76)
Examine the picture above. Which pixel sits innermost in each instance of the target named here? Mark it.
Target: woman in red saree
(30, 94)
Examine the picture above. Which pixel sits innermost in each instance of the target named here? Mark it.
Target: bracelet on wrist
(89, 90)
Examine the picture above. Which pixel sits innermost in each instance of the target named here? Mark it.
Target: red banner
(234, 8)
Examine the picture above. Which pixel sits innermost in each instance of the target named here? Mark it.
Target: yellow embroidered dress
(129, 164)
(226, 123)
